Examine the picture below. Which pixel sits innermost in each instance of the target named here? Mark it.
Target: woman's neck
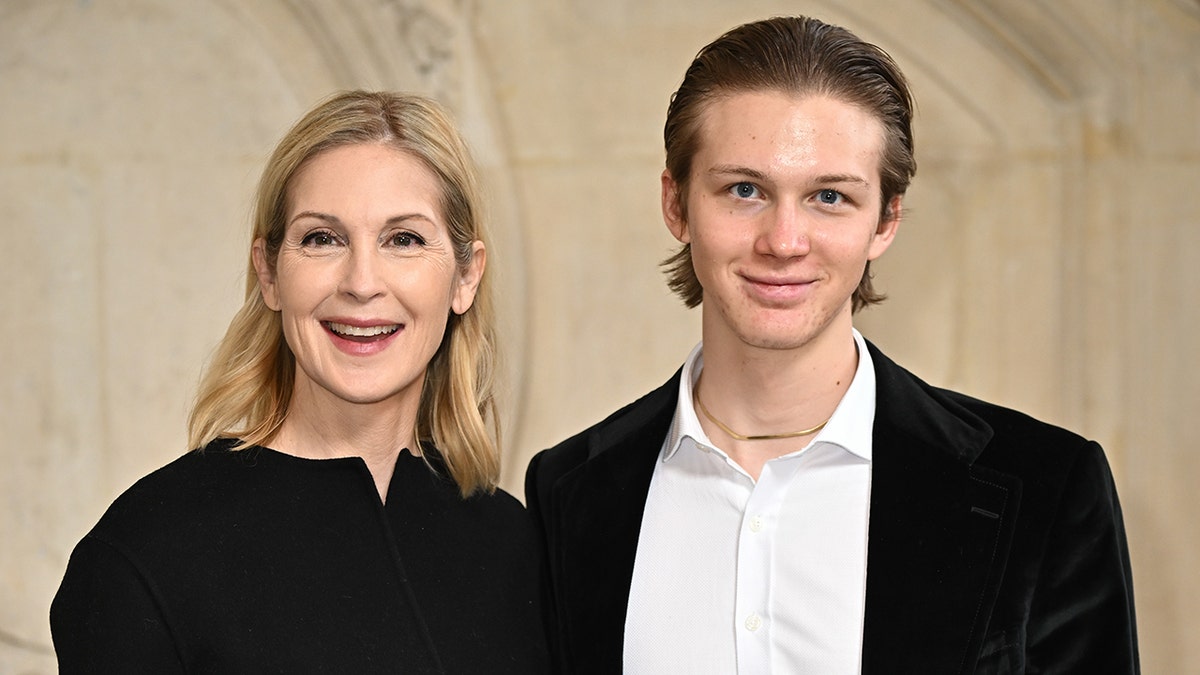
(320, 426)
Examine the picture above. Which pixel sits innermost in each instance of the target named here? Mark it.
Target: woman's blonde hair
(246, 389)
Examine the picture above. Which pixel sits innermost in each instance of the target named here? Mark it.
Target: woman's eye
(829, 196)
(406, 239)
(745, 190)
(319, 238)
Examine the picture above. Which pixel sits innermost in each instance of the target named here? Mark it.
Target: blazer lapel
(598, 508)
(940, 529)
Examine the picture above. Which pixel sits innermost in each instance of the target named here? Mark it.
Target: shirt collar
(850, 427)
(685, 424)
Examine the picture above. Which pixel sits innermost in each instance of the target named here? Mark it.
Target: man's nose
(785, 233)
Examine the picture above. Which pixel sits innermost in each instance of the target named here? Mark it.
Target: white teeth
(362, 331)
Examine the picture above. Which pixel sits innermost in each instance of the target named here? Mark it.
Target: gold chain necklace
(739, 437)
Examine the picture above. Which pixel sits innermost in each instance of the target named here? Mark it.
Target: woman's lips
(361, 332)
(362, 339)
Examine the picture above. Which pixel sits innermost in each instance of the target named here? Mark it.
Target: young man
(792, 501)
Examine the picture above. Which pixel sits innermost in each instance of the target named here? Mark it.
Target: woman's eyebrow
(334, 220)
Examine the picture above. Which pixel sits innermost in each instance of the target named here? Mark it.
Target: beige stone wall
(1042, 264)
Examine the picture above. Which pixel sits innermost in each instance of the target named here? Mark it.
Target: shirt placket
(755, 567)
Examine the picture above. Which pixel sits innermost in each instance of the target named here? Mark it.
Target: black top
(256, 561)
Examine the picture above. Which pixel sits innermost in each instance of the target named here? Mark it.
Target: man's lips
(765, 281)
(768, 281)
(779, 288)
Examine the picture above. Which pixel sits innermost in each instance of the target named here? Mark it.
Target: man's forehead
(748, 105)
(756, 130)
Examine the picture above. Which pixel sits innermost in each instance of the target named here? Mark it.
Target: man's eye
(745, 190)
(829, 196)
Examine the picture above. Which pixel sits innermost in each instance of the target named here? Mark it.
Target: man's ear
(265, 273)
(468, 279)
(885, 232)
(672, 209)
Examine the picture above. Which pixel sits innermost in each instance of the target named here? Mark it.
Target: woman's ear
(469, 278)
(265, 273)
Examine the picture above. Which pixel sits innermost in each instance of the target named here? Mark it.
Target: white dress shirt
(738, 576)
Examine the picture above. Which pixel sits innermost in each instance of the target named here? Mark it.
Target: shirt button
(753, 622)
(756, 524)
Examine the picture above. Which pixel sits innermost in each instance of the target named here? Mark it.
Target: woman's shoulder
(503, 507)
(424, 492)
(192, 474)
(169, 500)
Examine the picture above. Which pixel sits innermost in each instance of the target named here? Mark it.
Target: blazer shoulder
(1050, 461)
(636, 418)
(1008, 422)
(970, 428)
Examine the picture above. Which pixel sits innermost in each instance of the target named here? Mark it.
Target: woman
(342, 514)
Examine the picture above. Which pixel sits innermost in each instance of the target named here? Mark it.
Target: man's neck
(754, 391)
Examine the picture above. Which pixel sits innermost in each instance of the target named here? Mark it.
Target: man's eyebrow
(734, 170)
(843, 178)
(825, 179)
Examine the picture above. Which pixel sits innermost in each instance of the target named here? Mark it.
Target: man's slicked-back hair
(798, 56)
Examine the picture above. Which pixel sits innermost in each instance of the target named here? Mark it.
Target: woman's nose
(362, 278)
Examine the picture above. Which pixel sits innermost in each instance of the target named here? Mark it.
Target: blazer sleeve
(104, 618)
(1082, 614)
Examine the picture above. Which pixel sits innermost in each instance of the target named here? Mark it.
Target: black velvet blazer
(996, 543)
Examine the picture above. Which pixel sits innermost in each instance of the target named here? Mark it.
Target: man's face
(783, 212)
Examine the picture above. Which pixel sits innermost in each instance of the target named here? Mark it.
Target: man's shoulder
(648, 415)
(1010, 423)
(1039, 451)
(983, 431)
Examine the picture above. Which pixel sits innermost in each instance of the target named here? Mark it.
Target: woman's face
(366, 277)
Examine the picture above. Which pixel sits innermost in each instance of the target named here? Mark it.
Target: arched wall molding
(1065, 55)
(1054, 45)
(410, 44)
(1087, 59)
(1190, 9)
